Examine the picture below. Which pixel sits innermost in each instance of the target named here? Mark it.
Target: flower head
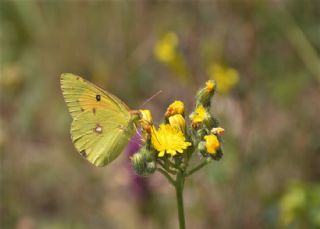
(212, 143)
(177, 107)
(168, 139)
(199, 115)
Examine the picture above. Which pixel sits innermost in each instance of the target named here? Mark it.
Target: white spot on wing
(98, 129)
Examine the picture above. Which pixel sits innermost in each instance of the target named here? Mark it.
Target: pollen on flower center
(169, 139)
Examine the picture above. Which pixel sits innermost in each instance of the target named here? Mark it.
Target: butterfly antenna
(148, 100)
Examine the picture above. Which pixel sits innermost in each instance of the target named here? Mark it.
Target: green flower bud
(143, 162)
(204, 95)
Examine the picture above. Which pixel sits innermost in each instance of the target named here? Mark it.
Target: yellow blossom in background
(177, 107)
(199, 115)
(165, 48)
(168, 139)
(226, 78)
(212, 143)
(291, 202)
(178, 122)
(166, 51)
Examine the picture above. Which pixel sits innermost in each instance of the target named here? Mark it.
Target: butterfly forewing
(81, 95)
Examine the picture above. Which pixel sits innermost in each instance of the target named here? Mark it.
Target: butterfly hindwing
(100, 137)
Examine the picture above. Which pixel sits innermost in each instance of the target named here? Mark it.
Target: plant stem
(167, 176)
(179, 194)
(198, 167)
(166, 168)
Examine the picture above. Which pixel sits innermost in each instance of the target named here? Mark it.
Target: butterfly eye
(98, 97)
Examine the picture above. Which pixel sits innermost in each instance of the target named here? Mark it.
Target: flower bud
(212, 143)
(204, 94)
(213, 146)
(217, 131)
(177, 107)
(143, 162)
(178, 121)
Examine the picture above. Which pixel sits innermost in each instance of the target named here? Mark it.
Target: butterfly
(102, 124)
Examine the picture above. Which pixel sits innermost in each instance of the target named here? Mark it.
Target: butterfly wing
(101, 136)
(81, 95)
(101, 124)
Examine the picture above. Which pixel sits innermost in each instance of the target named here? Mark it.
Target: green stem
(166, 168)
(175, 166)
(167, 176)
(195, 169)
(179, 194)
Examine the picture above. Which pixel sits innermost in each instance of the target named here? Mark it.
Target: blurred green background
(265, 58)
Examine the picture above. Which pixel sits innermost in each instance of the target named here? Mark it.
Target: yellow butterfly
(102, 124)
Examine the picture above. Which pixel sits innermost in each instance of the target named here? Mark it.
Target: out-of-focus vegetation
(264, 55)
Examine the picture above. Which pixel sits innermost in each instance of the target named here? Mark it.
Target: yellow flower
(199, 115)
(226, 78)
(293, 200)
(168, 139)
(165, 48)
(212, 143)
(177, 107)
(178, 121)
